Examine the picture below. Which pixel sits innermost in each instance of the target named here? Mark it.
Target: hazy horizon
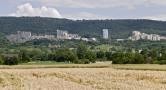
(86, 9)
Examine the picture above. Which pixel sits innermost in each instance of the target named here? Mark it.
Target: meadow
(100, 76)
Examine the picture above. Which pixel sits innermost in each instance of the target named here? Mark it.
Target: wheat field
(81, 79)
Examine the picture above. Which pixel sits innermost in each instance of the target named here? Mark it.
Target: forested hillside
(117, 28)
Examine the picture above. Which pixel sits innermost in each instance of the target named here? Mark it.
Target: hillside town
(24, 36)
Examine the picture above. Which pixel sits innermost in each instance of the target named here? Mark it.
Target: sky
(86, 9)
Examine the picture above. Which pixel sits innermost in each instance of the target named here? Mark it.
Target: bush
(82, 61)
(65, 55)
(108, 55)
(156, 62)
(11, 60)
(1, 60)
(91, 56)
(127, 58)
(81, 51)
(162, 62)
(100, 54)
(23, 57)
(78, 61)
(138, 59)
(86, 61)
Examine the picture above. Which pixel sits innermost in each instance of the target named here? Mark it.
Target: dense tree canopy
(117, 28)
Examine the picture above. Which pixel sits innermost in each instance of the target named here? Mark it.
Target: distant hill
(117, 28)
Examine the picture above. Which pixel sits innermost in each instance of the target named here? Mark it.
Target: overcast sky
(86, 9)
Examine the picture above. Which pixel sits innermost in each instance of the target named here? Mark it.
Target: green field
(103, 47)
(154, 67)
(43, 64)
(51, 64)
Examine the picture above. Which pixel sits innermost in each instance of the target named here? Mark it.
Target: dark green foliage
(3, 40)
(120, 58)
(118, 28)
(35, 54)
(108, 55)
(91, 56)
(1, 60)
(127, 58)
(11, 60)
(163, 56)
(152, 56)
(100, 54)
(51, 57)
(84, 54)
(156, 62)
(86, 61)
(138, 59)
(162, 62)
(23, 57)
(65, 55)
(81, 51)
(44, 57)
(78, 61)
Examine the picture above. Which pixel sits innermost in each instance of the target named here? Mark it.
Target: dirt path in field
(81, 79)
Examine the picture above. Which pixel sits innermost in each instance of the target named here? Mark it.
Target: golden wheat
(81, 79)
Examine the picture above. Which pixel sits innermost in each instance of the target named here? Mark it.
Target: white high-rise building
(105, 33)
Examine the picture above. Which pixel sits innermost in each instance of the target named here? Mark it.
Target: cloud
(129, 4)
(91, 3)
(157, 2)
(92, 9)
(28, 10)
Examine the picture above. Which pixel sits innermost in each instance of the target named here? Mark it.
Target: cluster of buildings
(49, 37)
(136, 35)
(65, 35)
(23, 36)
(20, 37)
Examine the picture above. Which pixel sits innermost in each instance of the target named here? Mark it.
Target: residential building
(136, 35)
(105, 33)
(65, 35)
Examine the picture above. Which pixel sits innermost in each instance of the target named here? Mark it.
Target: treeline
(83, 55)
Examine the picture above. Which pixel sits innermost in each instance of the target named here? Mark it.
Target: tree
(127, 58)
(100, 54)
(108, 55)
(91, 56)
(81, 51)
(153, 54)
(146, 55)
(65, 55)
(138, 59)
(35, 53)
(1, 60)
(163, 54)
(23, 57)
(11, 60)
